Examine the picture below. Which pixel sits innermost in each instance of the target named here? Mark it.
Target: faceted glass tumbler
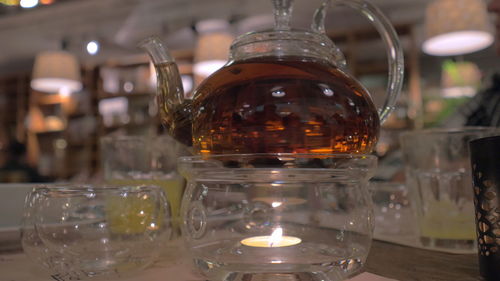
(275, 216)
(438, 177)
(145, 160)
(78, 232)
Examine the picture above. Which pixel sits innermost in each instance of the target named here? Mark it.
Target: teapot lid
(283, 41)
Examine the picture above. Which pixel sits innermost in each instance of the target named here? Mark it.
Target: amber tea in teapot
(281, 91)
(288, 105)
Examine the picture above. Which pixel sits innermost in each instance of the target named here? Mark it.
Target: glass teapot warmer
(282, 91)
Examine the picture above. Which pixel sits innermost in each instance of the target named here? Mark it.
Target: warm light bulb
(28, 3)
(93, 47)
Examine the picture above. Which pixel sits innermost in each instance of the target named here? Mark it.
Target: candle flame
(276, 236)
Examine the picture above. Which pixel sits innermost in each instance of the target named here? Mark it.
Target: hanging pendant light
(457, 27)
(55, 71)
(212, 49)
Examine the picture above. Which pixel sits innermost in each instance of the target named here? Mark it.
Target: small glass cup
(439, 179)
(85, 231)
(278, 216)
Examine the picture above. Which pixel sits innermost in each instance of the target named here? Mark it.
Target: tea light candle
(275, 240)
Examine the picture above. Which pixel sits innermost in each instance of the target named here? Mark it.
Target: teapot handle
(395, 55)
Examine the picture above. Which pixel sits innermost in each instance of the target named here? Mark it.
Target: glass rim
(448, 131)
(485, 140)
(280, 35)
(82, 189)
(340, 156)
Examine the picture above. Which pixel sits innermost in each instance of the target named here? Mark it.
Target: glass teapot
(282, 91)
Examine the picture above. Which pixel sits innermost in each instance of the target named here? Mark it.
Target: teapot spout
(156, 50)
(174, 109)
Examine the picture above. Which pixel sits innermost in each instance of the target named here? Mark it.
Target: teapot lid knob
(282, 14)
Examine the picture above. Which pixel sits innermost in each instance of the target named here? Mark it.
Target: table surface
(410, 264)
(386, 259)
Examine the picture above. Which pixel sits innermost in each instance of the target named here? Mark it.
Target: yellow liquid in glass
(130, 219)
(133, 215)
(443, 220)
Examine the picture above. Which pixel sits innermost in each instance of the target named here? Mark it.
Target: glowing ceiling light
(93, 47)
(28, 3)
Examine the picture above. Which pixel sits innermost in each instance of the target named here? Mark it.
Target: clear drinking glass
(145, 160)
(278, 216)
(85, 231)
(439, 179)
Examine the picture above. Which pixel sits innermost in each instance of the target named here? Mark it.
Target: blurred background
(50, 129)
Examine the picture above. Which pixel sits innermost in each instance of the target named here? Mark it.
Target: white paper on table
(370, 277)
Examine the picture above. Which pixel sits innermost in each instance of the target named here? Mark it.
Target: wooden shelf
(150, 121)
(366, 34)
(50, 99)
(185, 69)
(76, 115)
(76, 145)
(104, 95)
(142, 59)
(134, 69)
(45, 132)
(71, 138)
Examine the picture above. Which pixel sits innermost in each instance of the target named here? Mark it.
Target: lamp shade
(55, 71)
(457, 27)
(212, 52)
(212, 49)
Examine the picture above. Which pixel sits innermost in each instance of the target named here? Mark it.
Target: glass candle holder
(293, 216)
(78, 232)
(485, 164)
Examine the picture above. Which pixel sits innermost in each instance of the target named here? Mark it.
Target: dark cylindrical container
(485, 161)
